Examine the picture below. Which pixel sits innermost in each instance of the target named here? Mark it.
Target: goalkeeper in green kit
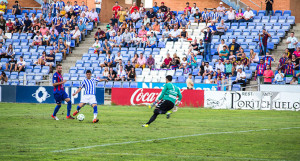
(166, 100)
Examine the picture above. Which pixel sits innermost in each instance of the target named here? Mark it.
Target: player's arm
(179, 95)
(163, 92)
(57, 83)
(78, 90)
(100, 80)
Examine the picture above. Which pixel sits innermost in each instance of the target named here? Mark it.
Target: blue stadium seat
(117, 85)
(274, 19)
(109, 85)
(291, 19)
(282, 19)
(100, 84)
(287, 13)
(257, 19)
(133, 85)
(278, 13)
(261, 13)
(181, 79)
(265, 19)
(73, 70)
(236, 87)
(277, 26)
(68, 84)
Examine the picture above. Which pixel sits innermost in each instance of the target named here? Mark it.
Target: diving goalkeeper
(166, 100)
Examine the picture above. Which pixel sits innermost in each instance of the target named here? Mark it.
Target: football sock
(152, 118)
(69, 106)
(95, 112)
(78, 108)
(169, 112)
(56, 109)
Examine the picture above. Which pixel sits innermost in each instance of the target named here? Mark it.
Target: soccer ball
(80, 117)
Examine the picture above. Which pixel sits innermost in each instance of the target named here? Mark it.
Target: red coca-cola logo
(143, 97)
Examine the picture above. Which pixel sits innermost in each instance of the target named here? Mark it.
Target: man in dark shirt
(16, 9)
(128, 67)
(263, 38)
(151, 14)
(198, 16)
(163, 8)
(50, 60)
(269, 7)
(233, 47)
(100, 35)
(27, 24)
(2, 23)
(12, 64)
(207, 43)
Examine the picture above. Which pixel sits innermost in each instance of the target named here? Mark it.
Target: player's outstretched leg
(156, 112)
(69, 106)
(168, 114)
(56, 109)
(95, 120)
(78, 108)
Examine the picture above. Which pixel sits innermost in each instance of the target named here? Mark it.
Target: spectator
(18, 25)
(133, 7)
(141, 62)
(76, 8)
(184, 63)
(76, 35)
(163, 8)
(253, 57)
(174, 22)
(231, 15)
(2, 37)
(229, 68)
(244, 60)
(11, 65)
(82, 28)
(294, 81)
(108, 61)
(97, 47)
(100, 35)
(2, 8)
(289, 69)
(53, 37)
(298, 77)
(241, 78)
(221, 9)
(282, 62)
(10, 26)
(198, 16)
(259, 72)
(2, 22)
(160, 16)
(121, 75)
(167, 62)
(62, 48)
(135, 16)
(194, 47)
(208, 80)
(68, 40)
(214, 16)
(248, 15)
(142, 32)
(239, 65)
(168, 14)
(122, 16)
(3, 53)
(50, 59)
(156, 28)
(201, 69)
(184, 21)
(174, 35)
(142, 10)
(268, 75)
(187, 9)
(128, 66)
(221, 29)
(105, 73)
(218, 73)
(83, 7)
(44, 30)
(279, 77)
(135, 42)
(165, 35)
(152, 41)
(269, 7)
(189, 82)
(194, 9)
(201, 47)
(150, 62)
(10, 51)
(233, 47)
(20, 65)
(268, 59)
(183, 35)
(131, 75)
(37, 39)
(192, 61)
(208, 69)
(205, 16)
(112, 75)
(118, 58)
(224, 53)
(68, 7)
(220, 66)
(175, 63)
(207, 43)
(213, 27)
(239, 16)
(3, 77)
(292, 43)
(134, 60)
(41, 60)
(155, 7)
(16, 9)
(263, 39)
(297, 52)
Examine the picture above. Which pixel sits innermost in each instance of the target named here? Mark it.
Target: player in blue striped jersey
(89, 84)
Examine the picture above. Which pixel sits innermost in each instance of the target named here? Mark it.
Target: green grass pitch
(27, 132)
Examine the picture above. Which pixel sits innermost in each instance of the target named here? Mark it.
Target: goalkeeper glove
(153, 104)
(177, 103)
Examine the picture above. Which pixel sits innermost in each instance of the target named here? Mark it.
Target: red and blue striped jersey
(282, 61)
(289, 69)
(268, 60)
(261, 69)
(56, 79)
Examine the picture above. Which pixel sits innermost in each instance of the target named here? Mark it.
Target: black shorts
(165, 106)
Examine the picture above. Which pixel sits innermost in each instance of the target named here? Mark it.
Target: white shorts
(68, 43)
(90, 99)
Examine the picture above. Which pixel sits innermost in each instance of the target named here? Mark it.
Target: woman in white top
(146, 20)
(10, 51)
(33, 18)
(96, 47)
(220, 46)
(183, 63)
(208, 80)
(105, 73)
(253, 57)
(165, 35)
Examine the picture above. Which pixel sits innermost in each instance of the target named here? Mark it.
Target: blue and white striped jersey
(89, 85)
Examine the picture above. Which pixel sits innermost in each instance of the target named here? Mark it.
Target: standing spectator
(263, 38)
(279, 77)
(16, 8)
(231, 15)
(20, 65)
(221, 9)
(289, 69)
(269, 7)
(2, 22)
(248, 15)
(174, 34)
(268, 59)
(133, 7)
(194, 9)
(268, 75)
(259, 72)
(214, 16)
(82, 28)
(141, 62)
(292, 43)
(50, 59)
(187, 9)
(76, 35)
(98, 6)
(3, 77)
(189, 82)
(11, 65)
(163, 8)
(207, 43)
(221, 29)
(2, 8)
(167, 62)
(45, 8)
(122, 16)
(240, 78)
(150, 62)
(155, 7)
(233, 47)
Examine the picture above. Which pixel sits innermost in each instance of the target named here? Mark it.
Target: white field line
(167, 138)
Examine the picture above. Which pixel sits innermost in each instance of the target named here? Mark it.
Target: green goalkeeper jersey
(170, 93)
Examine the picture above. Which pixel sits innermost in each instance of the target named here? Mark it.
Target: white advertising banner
(217, 100)
(279, 88)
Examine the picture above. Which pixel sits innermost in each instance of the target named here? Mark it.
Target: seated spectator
(220, 66)
(142, 32)
(150, 62)
(119, 40)
(187, 9)
(175, 62)
(141, 62)
(297, 52)
(184, 21)
(192, 61)
(165, 35)
(76, 35)
(134, 60)
(20, 65)
(18, 25)
(3, 53)
(105, 73)
(167, 62)
(106, 47)
(214, 16)
(248, 15)
(244, 60)
(68, 40)
(144, 41)
(2, 22)
(219, 73)
(2, 37)
(198, 16)
(239, 65)
(121, 75)
(156, 28)
(294, 81)
(221, 29)
(268, 75)
(174, 22)
(201, 47)
(50, 60)
(100, 35)
(135, 16)
(233, 47)
(221, 10)
(231, 15)
(16, 9)
(37, 39)
(136, 41)
(205, 16)
(108, 61)
(118, 58)
(97, 47)
(131, 75)
(10, 52)
(82, 28)
(259, 72)
(213, 27)
(194, 47)
(41, 60)
(240, 78)
(168, 14)
(298, 77)
(11, 65)
(112, 75)
(239, 16)
(253, 57)
(208, 80)
(152, 41)
(289, 69)
(184, 63)
(128, 66)
(27, 25)
(224, 53)
(43, 30)
(126, 38)
(279, 77)
(10, 26)
(174, 35)
(208, 69)
(62, 48)
(229, 68)
(183, 35)
(3, 77)
(146, 20)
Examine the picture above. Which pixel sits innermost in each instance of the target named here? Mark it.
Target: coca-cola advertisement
(146, 96)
